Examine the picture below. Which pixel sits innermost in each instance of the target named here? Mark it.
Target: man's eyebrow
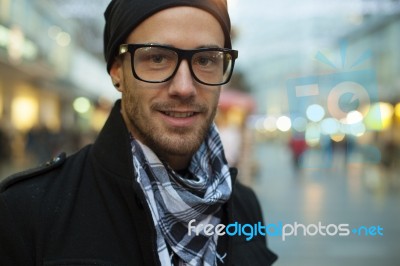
(172, 46)
(209, 46)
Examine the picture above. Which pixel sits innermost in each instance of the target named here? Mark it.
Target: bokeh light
(315, 112)
(379, 116)
(283, 123)
(81, 105)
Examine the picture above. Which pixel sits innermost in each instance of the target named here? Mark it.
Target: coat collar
(112, 146)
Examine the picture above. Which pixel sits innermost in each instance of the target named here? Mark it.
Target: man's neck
(176, 162)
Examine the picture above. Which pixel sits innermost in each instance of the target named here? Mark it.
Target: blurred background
(311, 116)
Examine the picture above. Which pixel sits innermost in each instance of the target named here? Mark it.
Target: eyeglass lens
(156, 64)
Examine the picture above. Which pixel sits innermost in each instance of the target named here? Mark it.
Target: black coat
(86, 210)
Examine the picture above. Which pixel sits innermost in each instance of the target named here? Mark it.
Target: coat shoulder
(47, 167)
(247, 211)
(246, 202)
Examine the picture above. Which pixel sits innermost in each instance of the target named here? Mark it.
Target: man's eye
(204, 61)
(157, 58)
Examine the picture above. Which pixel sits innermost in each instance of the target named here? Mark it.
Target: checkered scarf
(175, 200)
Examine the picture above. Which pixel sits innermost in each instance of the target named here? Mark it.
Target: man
(157, 165)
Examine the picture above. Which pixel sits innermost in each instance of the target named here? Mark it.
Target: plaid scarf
(174, 200)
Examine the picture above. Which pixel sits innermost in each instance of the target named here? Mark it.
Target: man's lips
(180, 114)
(181, 119)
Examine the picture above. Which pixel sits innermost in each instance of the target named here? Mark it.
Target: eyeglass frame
(182, 54)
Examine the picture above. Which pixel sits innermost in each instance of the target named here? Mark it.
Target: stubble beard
(170, 142)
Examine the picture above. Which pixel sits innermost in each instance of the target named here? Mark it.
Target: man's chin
(180, 148)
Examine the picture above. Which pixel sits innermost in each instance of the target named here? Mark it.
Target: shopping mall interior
(311, 117)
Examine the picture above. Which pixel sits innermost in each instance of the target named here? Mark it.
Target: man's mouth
(179, 114)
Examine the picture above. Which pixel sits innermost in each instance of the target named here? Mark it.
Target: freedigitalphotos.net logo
(334, 105)
(283, 230)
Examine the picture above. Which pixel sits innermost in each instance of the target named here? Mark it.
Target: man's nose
(182, 84)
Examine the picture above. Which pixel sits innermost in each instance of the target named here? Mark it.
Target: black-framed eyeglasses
(155, 63)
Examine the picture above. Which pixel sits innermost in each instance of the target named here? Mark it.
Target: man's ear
(116, 73)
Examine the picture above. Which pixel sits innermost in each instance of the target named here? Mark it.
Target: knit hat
(122, 16)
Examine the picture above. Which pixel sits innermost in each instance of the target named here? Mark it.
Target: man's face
(173, 117)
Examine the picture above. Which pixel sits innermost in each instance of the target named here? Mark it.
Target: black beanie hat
(122, 16)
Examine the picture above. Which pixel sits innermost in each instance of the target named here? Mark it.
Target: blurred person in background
(298, 146)
(158, 163)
